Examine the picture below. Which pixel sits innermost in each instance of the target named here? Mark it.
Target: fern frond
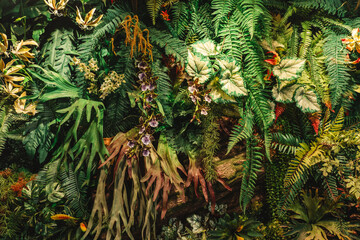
(230, 36)
(153, 7)
(75, 191)
(330, 185)
(180, 21)
(172, 46)
(251, 167)
(293, 44)
(285, 143)
(164, 90)
(301, 163)
(242, 131)
(334, 7)
(222, 9)
(252, 17)
(5, 123)
(306, 38)
(340, 78)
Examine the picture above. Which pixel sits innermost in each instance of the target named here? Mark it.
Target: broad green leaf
(289, 69)
(198, 67)
(206, 47)
(284, 94)
(306, 100)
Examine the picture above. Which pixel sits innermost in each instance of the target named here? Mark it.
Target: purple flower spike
(142, 76)
(149, 98)
(146, 152)
(144, 87)
(193, 98)
(131, 144)
(192, 88)
(152, 87)
(142, 130)
(146, 139)
(204, 112)
(142, 65)
(207, 98)
(153, 123)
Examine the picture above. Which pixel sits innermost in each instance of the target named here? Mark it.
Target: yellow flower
(87, 23)
(353, 42)
(239, 238)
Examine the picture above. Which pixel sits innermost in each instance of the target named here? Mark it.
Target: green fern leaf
(153, 7)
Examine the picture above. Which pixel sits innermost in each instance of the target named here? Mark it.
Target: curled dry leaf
(56, 7)
(8, 71)
(11, 90)
(4, 46)
(23, 52)
(20, 106)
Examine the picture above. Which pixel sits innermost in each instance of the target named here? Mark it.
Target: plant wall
(120, 107)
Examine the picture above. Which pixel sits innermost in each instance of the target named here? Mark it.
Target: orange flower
(18, 186)
(83, 227)
(275, 60)
(6, 173)
(353, 41)
(165, 15)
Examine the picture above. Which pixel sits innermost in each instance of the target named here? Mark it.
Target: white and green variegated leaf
(289, 69)
(233, 84)
(218, 95)
(284, 94)
(199, 67)
(206, 47)
(306, 100)
(228, 63)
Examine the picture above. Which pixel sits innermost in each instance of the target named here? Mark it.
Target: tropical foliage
(123, 108)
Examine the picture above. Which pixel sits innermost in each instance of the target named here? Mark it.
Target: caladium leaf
(233, 84)
(231, 81)
(284, 94)
(206, 47)
(217, 94)
(228, 63)
(289, 69)
(306, 100)
(199, 67)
